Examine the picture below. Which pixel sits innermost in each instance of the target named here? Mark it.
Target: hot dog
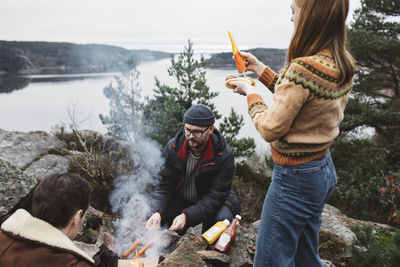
(234, 79)
(143, 250)
(132, 248)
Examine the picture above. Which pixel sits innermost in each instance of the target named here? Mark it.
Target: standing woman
(310, 96)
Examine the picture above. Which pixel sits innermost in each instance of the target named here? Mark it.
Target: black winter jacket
(213, 180)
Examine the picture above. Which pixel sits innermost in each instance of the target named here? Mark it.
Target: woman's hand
(253, 64)
(243, 88)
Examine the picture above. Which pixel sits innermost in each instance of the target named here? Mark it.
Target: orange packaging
(227, 236)
(241, 66)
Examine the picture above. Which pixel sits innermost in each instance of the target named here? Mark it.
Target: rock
(193, 235)
(331, 224)
(214, 257)
(167, 239)
(14, 186)
(105, 237)
(49, 164)
(333, 248)
(183, 256)
(349, 222)
(327, 263)
(21, 149)
(111, 144)
(240, 252)
(93, 212)
(242, 248)
(89, 236)
(255, 225)
(90, 249)
(331, 210)
(94, 229)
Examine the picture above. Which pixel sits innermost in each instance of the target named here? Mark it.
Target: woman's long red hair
(321, 24)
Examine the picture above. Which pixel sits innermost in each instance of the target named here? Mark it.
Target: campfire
(138, 261)
(142, 262)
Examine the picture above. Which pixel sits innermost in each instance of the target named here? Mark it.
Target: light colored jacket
(29, 241)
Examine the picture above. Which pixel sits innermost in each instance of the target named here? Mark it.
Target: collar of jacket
(23, 225)
(208, 154)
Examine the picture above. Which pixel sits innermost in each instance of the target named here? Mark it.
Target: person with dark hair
(194, 186)
(59, 197)
(310, 96)
(59, 207)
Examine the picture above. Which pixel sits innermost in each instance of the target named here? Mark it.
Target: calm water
(43, 100)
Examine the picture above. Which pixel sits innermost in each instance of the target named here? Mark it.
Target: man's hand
(178, 223)
(154, 222)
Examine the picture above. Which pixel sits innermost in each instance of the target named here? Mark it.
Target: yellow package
(212, 234)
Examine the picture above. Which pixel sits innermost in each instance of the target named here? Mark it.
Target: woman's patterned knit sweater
(307, 108)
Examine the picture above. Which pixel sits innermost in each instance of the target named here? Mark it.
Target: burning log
(132, 248)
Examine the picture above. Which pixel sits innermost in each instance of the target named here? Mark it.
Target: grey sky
(145, 24)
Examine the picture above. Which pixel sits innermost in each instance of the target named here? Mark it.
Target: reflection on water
(12, 83)
(9, 84)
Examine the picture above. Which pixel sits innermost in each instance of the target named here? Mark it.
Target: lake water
(44, 100)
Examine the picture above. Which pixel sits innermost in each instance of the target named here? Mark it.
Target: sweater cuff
(268, 78)
(253, 99)
(256, 104)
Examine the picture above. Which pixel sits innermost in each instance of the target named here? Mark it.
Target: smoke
(131, 198)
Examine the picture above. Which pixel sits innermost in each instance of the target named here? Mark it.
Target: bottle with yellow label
(212, 234)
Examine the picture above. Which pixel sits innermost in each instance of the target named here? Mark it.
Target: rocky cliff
(25, 158)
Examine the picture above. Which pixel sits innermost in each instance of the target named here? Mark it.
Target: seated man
(194, 185)
(59, 207)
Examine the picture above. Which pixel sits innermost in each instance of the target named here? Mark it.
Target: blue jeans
(291, 215)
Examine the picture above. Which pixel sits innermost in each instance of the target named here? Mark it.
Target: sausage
(132, 248)
(143, 250)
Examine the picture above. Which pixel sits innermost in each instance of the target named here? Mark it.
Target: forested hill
(273, 57)
(61, 58)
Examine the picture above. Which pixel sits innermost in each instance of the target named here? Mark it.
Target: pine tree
(362, 161)
(124, 119)
(230, 127)
(375, 43)
(374, 248)
(164, 112)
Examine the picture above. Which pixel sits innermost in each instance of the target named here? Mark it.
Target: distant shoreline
(67, 58)
(56, 58)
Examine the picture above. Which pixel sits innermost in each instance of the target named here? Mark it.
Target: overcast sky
(151, 23)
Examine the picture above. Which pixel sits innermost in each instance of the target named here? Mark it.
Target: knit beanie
(199, 115)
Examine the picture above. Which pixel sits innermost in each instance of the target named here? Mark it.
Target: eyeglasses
(195, 133)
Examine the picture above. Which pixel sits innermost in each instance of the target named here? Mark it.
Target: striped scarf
(188, 190)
